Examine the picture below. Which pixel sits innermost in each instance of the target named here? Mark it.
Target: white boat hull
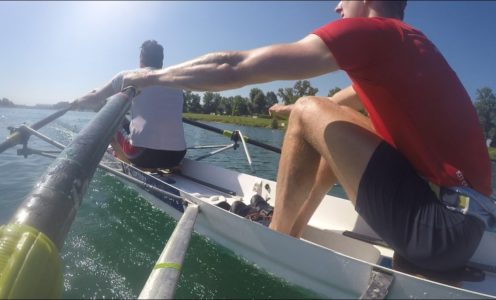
(324, 260)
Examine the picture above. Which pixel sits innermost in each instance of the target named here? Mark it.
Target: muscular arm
(306, 58)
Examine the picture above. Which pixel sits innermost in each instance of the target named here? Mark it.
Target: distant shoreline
(18, 106)
(253, 121)
(263, 122)
(38, 106)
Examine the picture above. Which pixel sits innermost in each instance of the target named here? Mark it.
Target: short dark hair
(152, 54)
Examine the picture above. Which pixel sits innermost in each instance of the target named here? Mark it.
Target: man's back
(156, 117)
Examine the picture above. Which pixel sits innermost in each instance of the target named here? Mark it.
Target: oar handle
(229, 134)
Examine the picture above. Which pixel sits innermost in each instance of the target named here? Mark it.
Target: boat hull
(323, 261)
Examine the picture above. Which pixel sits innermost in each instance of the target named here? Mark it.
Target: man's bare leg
(324, 181)
(318, 127)
(295, 178)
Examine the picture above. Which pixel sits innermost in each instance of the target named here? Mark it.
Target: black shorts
(403, 210)
(151, 158)
(146, 157)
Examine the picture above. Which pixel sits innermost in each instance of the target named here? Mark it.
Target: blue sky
(58, 51)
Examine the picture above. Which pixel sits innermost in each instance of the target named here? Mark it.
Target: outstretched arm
(306, 58)
(96, 97)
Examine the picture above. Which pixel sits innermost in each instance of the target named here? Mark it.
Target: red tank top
(414, 99)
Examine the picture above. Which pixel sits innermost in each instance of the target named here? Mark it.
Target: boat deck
(319, 232)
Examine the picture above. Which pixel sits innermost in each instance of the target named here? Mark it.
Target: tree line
(4, 102)
(257, 102)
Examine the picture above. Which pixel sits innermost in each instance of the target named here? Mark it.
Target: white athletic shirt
(156, 117)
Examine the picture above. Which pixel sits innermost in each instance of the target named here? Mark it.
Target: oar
(230, 133)
(17, 137)
(31, 241)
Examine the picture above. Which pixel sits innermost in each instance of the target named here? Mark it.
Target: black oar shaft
(50, 118)
(262, 145)
(16, 137)
(229, 134)
(204, 126)
(52, 205)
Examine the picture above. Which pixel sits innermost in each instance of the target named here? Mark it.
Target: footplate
(379, 284)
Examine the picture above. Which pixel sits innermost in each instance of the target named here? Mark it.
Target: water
(117, 236)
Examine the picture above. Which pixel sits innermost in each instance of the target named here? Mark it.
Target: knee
(306, 101)
(310, 106)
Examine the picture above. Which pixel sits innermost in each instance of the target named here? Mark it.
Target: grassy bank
(265, 123)
(238, 120)
(492, 153)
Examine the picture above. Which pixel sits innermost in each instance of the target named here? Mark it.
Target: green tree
(240, 106)
(485, 106)
(258, 102)
(333, 91)
(271, 99)
(191, 102)
(226, 105)
(217, 104)
(304, 88)
(187, 100)
(208, 103)
(195, 104)
(211, 102)
(287, 95)
(300, 89)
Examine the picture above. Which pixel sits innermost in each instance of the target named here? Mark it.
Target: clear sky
(58, 51)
